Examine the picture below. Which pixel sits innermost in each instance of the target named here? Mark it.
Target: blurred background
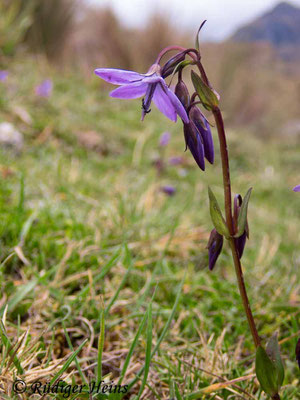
(251, 50)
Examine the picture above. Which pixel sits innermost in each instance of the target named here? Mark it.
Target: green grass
(88, 240)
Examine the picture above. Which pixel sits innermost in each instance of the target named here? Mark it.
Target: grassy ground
(87, 236)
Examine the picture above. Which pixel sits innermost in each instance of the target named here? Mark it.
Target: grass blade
(148, 351)
(128, 261)
(132, 347)
(72, 349)
(67, 363)
(163, 334)
(100, 346)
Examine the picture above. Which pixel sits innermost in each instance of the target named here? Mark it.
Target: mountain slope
(280, 27)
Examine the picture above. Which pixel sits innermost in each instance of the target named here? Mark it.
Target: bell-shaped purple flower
(193, 141)
(151, 85)
(296, 188)
(215, 244)
(203, 127)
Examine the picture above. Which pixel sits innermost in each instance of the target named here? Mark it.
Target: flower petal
(118, 76)
(180, 110)
(296, 188)
(163, 103)
(130, 91)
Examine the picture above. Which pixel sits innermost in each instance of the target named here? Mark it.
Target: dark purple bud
(168, 190)
(240, 244)
(298, 352)
(170, 65)
(182, 93)
(194, 142)
(215, 244)
(203, 127)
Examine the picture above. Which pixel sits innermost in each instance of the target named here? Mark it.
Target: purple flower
(169, 190)
(194, 142)
(204, 129)
(215, 244)
(298, 352)
(296, 188)
(44, 89)
(175, 160)
(151, 85)
(3, 75)
(164, 139)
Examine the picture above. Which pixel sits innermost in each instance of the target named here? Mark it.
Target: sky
(223, 16)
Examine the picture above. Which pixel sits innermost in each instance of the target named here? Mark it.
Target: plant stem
(229, 221)
(228, 212)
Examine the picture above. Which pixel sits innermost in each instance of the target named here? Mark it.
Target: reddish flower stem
(228, 213)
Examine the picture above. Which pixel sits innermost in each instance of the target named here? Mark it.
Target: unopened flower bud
(215, 244)
(240, 241)
(240, 244)
(203, 127)
(182, 93)
(170, 65)
(194, 142)
(298, 352)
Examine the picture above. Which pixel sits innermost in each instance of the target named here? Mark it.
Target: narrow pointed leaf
(197, 36)
(216, 215)
(273, 352)
(205, 93)
(266, 372)
(242, 219)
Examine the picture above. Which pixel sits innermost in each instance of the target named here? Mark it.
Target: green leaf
(273, 352)
(216, 214)
(100, 345)
(242, 219)
(67, 363)
(266, 372)
(207, 96)
(149, 355)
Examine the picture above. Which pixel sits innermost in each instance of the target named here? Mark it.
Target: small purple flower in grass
(214, 246)
(168, 190)
(151, 85)
(3, 75)
(44, 89)
(164, 139)
(296, 188)
(175, 160)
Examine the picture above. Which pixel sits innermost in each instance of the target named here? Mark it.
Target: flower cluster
(153, 87)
